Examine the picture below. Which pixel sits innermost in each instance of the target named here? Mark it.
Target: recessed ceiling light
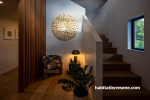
(1, 2)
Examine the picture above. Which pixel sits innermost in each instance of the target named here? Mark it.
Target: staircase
(116, 72)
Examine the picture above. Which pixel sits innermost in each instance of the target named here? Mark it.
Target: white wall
(8, 48)
(92, 49)
(113, 20)
(55, 8)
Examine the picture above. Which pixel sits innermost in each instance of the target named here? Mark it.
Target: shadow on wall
(92, 7)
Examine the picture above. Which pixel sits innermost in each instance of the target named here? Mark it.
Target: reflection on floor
(47, 89)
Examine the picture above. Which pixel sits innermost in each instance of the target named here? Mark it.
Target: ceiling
(92, 6)
(9, 9)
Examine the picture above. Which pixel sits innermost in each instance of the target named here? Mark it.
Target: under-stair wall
(92, 50)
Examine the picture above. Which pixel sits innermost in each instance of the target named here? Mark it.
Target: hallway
(47, 89)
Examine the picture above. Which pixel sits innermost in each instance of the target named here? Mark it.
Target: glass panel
(139, 33)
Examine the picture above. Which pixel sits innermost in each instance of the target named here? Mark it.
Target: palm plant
(80, 82)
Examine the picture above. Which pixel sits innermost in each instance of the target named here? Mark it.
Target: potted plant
(79, 83)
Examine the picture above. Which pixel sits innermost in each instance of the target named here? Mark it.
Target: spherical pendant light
(64, 27)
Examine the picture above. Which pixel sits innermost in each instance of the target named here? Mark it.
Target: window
(137, 33)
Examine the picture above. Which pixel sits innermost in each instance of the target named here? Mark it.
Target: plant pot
(80, 98)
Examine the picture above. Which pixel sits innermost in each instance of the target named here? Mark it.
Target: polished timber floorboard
(47, 89)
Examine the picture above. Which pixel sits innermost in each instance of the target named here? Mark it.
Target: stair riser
(126, 98)
(114, 58)
(109, 50)
(107, 44)
(102, 36)
(125, 81)
(115, 67)
(105, 40)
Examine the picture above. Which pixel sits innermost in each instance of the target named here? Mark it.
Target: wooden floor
(47, 89)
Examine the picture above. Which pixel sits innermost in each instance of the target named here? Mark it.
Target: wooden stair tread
(114, 62)
(111, 54)
(109, 47)
(119, 74)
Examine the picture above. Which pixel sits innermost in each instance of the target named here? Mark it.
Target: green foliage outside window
(139, 41)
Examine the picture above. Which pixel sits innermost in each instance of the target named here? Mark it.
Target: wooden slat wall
(21, 46)
(32, 40)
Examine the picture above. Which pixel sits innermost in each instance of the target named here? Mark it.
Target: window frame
(133, 32)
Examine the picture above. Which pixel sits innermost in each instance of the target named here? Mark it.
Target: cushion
(54, 63)
(49, 66)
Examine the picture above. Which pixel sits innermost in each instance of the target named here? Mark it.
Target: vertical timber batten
(32, 40)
